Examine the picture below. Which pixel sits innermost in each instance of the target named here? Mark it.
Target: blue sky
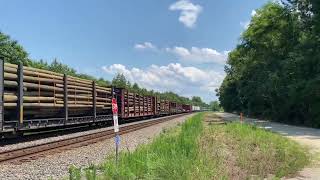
(176, 45)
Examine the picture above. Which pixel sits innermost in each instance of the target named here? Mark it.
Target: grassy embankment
(198, 151)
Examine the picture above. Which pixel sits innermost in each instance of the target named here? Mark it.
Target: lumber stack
(44, 93)
(164, 106)
(135, 105)
(173, 108)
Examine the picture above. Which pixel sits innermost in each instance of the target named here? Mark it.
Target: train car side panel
(187, 108)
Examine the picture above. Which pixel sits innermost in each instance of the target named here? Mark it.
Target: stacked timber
(164, 106)
(173, 108)
(135, 105)
(158, 107)
(45, 93)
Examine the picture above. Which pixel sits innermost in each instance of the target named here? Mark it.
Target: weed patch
(247, 151)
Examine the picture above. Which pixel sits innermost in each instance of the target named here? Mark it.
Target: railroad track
(26, 154)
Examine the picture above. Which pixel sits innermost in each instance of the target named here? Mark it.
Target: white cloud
(189, 12)
(253, 13)
(186, 81)
(199, 55)
(192, 55)
(145, 45)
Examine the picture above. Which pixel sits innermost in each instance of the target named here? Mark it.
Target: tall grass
(262, 152)
(169, 156)
(245, 150)
(191, 151)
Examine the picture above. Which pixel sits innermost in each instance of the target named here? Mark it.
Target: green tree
(11, 51)
(119, 81)
(215, 106)
(57, 66)
(103, 82)
(197, 101)
(275, 70)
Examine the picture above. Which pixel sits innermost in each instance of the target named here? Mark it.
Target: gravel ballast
(57, 165)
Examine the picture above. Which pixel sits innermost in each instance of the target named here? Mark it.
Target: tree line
(12, 52)
(274, 72)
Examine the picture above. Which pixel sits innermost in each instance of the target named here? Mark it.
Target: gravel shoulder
(57, 165)
(309, 137)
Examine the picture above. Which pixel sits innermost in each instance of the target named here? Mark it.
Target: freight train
(37, 99)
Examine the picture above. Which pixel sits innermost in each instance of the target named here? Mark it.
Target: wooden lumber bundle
(136, 105)
(45, 93)
(173, 107)
(158, 105)
(164, 106)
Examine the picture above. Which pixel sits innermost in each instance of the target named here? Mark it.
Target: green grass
(170, 156)
(195, 151)
(246, 151)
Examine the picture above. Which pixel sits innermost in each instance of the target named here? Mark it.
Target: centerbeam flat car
(35, 99)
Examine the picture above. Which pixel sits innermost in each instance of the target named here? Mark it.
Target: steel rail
(26, 154)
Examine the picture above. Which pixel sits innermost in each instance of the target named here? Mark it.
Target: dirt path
(306, 136)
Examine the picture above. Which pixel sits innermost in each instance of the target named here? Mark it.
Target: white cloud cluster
(192, 55)
(199, 55)
(145, 45)
(189, 12)
(174, 77)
